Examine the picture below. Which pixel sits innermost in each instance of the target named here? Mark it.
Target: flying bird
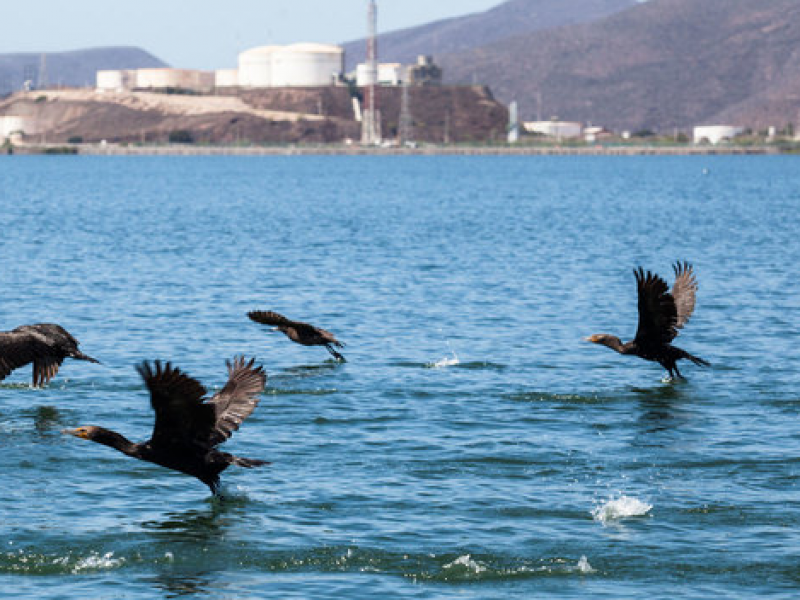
(299, 332)
(661, 315)
(46, 345)
(188, 426)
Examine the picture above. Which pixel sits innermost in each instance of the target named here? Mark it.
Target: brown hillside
(659, 65)
(280, 115)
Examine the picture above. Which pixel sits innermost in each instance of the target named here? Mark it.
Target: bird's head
(605, 339)
(88, 432)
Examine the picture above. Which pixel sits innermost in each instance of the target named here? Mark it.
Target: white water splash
(447, 361)
(583, 566)
(96, 561)
(465, 563)
(621, 508)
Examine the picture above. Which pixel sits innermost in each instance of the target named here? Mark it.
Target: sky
(206, 34)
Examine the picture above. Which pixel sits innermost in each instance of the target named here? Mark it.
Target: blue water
(473, 446)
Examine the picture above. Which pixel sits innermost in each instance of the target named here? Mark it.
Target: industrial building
(714, 134)
(296, 65)
(12, 125)
(554, 129)
(424, 72)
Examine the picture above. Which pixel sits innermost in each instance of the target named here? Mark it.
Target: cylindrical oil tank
(226, 78)
(114, 80)
(255, 67)
(306, 65)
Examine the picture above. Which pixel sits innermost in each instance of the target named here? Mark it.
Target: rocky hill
(660, 65)
(264, 116)
(472, 31)
(76, 68)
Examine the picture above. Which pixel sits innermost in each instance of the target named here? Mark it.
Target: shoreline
(343, 150)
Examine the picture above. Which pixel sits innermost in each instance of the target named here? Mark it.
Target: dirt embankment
(280, 115)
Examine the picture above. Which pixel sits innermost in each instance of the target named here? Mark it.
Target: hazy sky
(206, 34)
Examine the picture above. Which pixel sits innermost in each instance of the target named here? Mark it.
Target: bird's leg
(678, 373)
(335, 354)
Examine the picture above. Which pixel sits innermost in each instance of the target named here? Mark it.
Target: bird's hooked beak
(81, 432)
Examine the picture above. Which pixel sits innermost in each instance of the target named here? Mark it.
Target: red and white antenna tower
(371, 121)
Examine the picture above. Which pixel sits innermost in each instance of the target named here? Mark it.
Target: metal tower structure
(42, 76)
(406, 129)
(371, 121)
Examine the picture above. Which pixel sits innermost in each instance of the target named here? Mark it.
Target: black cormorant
(188, 426)
(299, 332)
(46, 345)
(661, 315)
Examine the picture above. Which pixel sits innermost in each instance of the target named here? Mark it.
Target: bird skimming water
(302, 333)
(46, 345)
(189, 427)
(661, 315)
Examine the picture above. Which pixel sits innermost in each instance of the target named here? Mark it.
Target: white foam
(96, 561)
(466, 563)
(583, 566)
(447, 361)
(621, 508)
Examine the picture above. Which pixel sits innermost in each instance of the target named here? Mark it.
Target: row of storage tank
(296, 65)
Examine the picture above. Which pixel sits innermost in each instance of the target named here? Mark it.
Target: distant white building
(714, 134)
(388, 74)
(12, 125)
(555, 129)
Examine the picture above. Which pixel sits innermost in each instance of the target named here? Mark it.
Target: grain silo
(255, 66)
(307, 65)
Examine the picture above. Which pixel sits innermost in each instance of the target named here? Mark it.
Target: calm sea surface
(473, 446)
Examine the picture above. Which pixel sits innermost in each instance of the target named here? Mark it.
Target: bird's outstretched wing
(267, 317)
(177, 399)
(24, 345)
(683, 292)
(657, 313)
(237, 400)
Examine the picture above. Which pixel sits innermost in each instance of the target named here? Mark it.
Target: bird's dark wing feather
(20, 347)
(177, 399)
(267, 317)
(683, 292)
(14, 353)
(45, 368)
(657, 312)
(237, 400)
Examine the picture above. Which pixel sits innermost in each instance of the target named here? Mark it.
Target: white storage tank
(115, 80)
(307, 65)
(226, 78)
(255, 66)
(188, 79)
